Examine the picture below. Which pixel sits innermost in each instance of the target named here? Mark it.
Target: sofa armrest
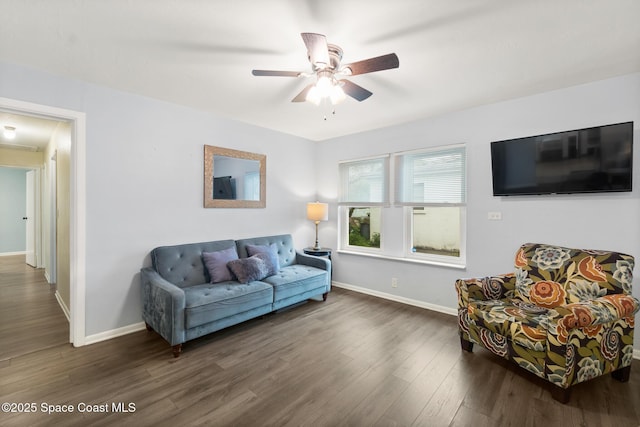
(163, 305)
(586, 314)
(317, 262)
(484, 288)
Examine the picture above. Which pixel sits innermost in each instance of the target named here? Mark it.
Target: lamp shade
(317, 211)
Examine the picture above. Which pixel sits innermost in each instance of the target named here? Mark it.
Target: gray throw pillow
(216, 263)
(271, 252)
(249, 269)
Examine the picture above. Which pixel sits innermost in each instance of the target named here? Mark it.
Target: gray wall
(597, 221)
(13, 198)
(144, 180)
(144, 185)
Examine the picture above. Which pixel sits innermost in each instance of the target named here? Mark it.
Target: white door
(30, 219)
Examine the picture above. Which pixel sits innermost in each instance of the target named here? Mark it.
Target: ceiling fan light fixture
(9, 132)
(313, 96)
(337, 94)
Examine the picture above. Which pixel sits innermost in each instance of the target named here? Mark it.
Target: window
(430, 187)
(363, 192)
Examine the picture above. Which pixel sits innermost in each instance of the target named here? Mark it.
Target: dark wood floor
(354, 360)
(30, 317)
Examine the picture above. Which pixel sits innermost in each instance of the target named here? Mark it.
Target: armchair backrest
(550, 276)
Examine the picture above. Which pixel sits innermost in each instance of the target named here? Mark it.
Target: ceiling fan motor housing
(335, 56)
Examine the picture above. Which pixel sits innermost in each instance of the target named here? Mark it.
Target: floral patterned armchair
(566, 315)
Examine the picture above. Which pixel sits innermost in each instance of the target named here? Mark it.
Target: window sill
(403, 259)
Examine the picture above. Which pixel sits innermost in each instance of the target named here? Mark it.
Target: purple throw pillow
(249, 269)
(216, 263)
(271, 252)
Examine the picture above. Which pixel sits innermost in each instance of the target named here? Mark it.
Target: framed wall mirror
(234, 179)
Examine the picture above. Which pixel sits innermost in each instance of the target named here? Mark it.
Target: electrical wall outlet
(494, 216)
(394, 282)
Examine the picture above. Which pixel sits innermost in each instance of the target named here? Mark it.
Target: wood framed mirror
(234, 179)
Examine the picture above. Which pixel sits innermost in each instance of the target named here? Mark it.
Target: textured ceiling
(453, 54)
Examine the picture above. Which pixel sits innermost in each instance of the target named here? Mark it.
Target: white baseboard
(12, 253)
(417, 303)
(408, 301)
(107, 335)
(63, 306)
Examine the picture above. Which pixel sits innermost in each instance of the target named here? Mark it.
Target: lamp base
(316, 247)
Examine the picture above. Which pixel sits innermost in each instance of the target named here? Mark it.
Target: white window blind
(364, 182)
(432, 177)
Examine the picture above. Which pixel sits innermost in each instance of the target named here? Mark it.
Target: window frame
(400, 248)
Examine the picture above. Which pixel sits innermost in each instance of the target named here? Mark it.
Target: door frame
(77, 228)
(33, 237)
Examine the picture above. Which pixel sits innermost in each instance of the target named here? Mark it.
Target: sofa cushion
(284, 243)
(216, 263)
(270, 256)
(209, 302)
(182, 264)
(521, 322)
(296, 279)
(249, 269)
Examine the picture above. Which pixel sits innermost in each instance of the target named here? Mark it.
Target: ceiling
(453, 54)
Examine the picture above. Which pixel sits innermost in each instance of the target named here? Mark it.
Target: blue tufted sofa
(180, 303)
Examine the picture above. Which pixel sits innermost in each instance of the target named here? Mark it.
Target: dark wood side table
(318, 252)
(321, 252)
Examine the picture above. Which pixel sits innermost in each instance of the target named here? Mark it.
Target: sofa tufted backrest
(182, 265)
(286, 250)
(550, 276)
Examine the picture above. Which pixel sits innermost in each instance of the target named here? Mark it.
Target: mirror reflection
(233, 178)
(236, 179)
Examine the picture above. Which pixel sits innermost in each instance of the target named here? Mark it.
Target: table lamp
(317, 212)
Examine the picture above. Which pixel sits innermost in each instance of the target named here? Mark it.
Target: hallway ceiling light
(9, 132)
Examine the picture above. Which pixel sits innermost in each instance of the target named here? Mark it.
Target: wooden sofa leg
(176, 349)
(466, 345)
(560, 394)
(148, 326)
(622, 374)
(324, 296)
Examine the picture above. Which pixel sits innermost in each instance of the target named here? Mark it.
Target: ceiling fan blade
(276, 73)
(353, 90)
(370, 65)
(302, 96)
(317, 49)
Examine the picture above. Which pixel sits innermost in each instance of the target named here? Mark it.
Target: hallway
(30, 317)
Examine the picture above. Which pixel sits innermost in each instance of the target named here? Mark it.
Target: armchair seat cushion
(213, 301)
(521, 322)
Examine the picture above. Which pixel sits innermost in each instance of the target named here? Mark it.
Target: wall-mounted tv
(591, 160)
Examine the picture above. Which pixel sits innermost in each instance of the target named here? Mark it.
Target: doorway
(71, 206)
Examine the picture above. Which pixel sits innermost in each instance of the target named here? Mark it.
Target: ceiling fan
(325, 65)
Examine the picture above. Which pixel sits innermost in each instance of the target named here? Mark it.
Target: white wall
(13, 198)
(598, 221)
(144, 168)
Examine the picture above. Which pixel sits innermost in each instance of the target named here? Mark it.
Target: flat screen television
(591, 160)
(224, 187)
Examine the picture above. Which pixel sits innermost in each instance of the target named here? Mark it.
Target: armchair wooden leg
(466, 345)
(324, 296)
(622, 374)
(148, 326)
(176, 349)
(560, 394)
